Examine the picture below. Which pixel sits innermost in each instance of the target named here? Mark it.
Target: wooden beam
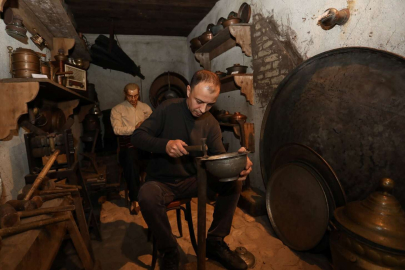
(136, 31)
(32, 23)
(157, 3)
(53, 15)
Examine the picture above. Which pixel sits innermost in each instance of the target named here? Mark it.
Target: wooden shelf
(237, 34)
(52, 91)
(16, 93)
(244, 82)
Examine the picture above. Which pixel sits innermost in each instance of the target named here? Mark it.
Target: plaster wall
(375, 24)
(155, 55)
(13, 157)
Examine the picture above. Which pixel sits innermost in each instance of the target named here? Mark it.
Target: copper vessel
(23, 62)
(230, 22)
(205, 37)
(371, 233)
(237, 116)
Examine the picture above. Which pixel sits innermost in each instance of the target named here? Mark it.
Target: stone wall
(274, 56)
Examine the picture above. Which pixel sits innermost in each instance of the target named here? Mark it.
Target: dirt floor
(125, 244)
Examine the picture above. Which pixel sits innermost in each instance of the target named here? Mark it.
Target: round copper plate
(161, 84)
(295, 152)
(348, 105)
(244, 13)
(297, 206)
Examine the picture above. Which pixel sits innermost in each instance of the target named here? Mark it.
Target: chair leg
(127, 204)
(189, 219)
(178, 215)
(154, 253)
(149, 235)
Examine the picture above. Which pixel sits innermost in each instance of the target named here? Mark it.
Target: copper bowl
(195, 44)
(224, 116)
(237, 116)
(204, 38)
(230, 22)
(220, 74)
(216, 29)
(226, 167)
(236, 69)
(209, 27)
(232, 15)
(221, 21)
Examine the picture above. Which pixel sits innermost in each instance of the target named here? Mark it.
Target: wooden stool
(176, 205)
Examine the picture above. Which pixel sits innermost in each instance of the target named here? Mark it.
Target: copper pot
(23, 62)
(195, 44)
(26, 65)
(371, 233)
(220, 74)
(46, 69)
(236, 69)
(230, 22)
(237, 116)
(224, 116)
(204, 38)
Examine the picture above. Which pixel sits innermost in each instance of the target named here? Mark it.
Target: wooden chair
(177, 205)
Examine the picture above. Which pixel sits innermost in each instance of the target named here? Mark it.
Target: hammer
(47, 192)
(9, 217)
(35, 202)
(31, 225)
(198, 148)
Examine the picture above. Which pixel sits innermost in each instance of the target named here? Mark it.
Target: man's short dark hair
(204, 76)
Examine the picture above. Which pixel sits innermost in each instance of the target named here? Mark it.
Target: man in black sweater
(171, 173)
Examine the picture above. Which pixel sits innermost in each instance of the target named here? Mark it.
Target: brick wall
(274, 56)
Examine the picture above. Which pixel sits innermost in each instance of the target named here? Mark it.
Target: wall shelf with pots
(17, 92)
(242, 82)
(236, 34)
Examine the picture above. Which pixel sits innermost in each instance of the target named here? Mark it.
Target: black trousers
(154, 196)
(129, 160)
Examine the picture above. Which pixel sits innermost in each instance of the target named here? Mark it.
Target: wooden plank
(249, 137)
(53, 15)
(13, 99)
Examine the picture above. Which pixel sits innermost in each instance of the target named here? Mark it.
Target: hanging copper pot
(371, 233)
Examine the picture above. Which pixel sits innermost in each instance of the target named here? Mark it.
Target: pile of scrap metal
(106, 53)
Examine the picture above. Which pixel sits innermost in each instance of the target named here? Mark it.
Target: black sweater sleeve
(146, 137)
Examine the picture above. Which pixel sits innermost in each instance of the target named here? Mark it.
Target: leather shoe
(170, 260)
(220, 252)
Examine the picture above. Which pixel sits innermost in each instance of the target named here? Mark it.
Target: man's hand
(175, 148)
(248, 168)
(138, 125)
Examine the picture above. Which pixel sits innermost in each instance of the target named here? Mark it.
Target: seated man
(171, 174)
(125, 118)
